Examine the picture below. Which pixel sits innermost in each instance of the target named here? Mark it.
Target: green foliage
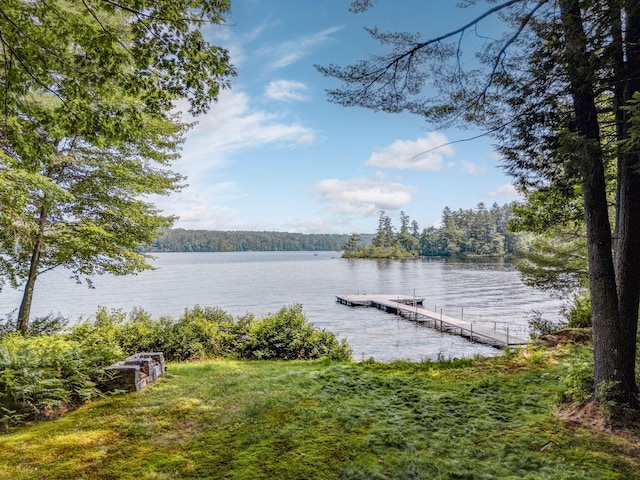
(89, 130)
(579, 314)
(47, 325)
(471, 232)
(287, 336)
(43, 375)
(207, 332)
(578, 384)
(539, 326)
(181, 240)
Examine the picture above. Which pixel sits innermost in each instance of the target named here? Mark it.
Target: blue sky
(274, 154)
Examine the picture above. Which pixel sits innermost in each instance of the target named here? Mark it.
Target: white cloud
(362, 195)
(286, 90)
(424, 153)
(505, 191)
(290, 52)
(472, 168)
(230, 126)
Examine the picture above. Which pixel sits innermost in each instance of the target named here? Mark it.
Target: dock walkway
(411, 307)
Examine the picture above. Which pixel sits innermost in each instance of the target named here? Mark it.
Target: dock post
(507, 335)
(461, 313)
(471, 337)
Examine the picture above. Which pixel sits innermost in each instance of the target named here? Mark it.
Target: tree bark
(27, 296)
(627, 235)
(614, 368)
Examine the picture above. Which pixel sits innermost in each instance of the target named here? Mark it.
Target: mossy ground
(327, 420)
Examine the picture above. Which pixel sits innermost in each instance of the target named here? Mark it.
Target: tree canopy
(88, 129)
(558, 90)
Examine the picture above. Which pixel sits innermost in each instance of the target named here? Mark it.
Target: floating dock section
(411, 307)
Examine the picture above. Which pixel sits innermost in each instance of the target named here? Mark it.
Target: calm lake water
(263, 282)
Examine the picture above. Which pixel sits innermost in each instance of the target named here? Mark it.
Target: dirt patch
(587, 415)
(626, 437)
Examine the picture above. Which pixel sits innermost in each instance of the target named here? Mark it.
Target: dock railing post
(507, 335)
(462, 313)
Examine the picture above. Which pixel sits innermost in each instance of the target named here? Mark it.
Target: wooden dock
(411, 307)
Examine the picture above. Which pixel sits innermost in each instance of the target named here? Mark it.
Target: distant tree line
(472, 232)
(181, 240)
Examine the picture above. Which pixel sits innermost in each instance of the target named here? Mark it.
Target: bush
(287, 336)
(579, 382)
(539, 326)
(49, 374)
(205, 332)
(47, 325)
(579, 314)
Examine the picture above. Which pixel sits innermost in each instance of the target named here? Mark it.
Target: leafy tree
(353, 243)
(407, 239)
(563, 71)
(385, 236)
(87, 130)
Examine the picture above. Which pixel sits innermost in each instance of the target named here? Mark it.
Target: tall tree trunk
(627, 238)
(27, 296)
(613, 366)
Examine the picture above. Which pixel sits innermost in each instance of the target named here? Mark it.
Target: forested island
(470, 232)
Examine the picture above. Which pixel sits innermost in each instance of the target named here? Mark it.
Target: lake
(263, 282)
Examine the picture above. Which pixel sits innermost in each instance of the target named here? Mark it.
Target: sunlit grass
(326, 420)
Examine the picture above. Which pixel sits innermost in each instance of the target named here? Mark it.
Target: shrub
(141, 333)
(287, 336)
(579, 314)
(42, 376)
(539, 326)
(47, 325)
(579, 382)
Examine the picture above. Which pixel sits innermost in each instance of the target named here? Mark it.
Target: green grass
(486, 419)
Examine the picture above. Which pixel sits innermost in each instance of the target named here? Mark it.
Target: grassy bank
(327, 420)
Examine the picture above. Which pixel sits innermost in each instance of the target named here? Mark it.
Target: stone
(135, 372)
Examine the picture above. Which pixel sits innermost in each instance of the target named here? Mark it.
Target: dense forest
(479, 231)
(471, 232)
(181, 240)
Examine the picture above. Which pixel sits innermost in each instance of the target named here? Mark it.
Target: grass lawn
(488, 419)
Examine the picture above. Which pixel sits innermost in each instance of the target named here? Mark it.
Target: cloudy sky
(274, 154)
